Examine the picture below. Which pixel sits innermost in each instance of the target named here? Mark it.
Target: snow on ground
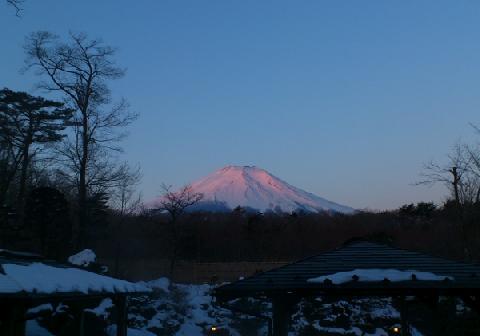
(186, 309)
(190, 310)
(101, 310)
(34, 329)
(415, 332)
(357, 316)
(198, 297)
(8, 285)
(178, 309)
(161, 283)
(112, 331)
(374, 274)
(42, 278)
(40, 308)
(83, 258)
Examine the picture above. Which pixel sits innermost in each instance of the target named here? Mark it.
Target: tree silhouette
(16, 4)
(47, 216)
(174, 203)
(27, 122)
(80, 68)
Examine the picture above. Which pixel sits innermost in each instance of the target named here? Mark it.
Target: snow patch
(112, 331)
(374, 274)
(42, 278)
(32, 328)
(161, 283)
(83, 258)
(40, 308)
(101, 310)
(7, 285)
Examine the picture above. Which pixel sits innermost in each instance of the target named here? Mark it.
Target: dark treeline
(241, 236)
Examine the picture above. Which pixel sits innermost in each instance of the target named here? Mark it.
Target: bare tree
(127, 203)
(473, 153)
(452, 174)
(16, 4)
(80, 69)
(461, 174)
(125, 199)
(174, 203)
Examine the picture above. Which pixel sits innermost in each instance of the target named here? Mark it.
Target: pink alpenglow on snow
(255, 188)
(42, 278)
(375, 274)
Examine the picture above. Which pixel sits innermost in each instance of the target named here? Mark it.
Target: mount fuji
(255, 188)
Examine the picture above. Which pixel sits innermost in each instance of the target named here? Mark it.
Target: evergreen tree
(27, 122)
(47, 217)
(97, 217)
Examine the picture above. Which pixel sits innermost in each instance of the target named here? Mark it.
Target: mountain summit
(255, 188)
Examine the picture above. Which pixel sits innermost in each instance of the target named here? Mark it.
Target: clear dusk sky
(345, 99)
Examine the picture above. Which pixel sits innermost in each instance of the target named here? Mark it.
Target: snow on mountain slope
(255, 188)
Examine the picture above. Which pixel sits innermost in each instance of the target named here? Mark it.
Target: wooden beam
(281, 315)
(404, 317)
(121, 306)
(13, 320)
(77, 309)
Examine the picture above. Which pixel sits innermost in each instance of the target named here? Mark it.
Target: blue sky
(345, 99)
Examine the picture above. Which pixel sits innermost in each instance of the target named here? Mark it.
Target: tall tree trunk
(173, 255)
(455, 183)
(82, 188)
(23, 180)
(461, 213)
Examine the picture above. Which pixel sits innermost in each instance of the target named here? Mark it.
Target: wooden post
(121, 306)
(404, 317)
(14, 321)
(281, 316)
(81, 329)
(439, 327)
(79, 318)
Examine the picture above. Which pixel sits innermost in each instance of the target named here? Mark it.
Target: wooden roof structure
(291, 282)
(357, 255)
(28, 280)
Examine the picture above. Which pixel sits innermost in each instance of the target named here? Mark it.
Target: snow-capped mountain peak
(253, 187)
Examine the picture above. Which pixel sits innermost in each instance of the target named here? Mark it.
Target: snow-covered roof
(20, 255)
(19, 277)
(361, 267)
(376, 274)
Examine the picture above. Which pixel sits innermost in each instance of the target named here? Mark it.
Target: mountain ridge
(255, 188)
